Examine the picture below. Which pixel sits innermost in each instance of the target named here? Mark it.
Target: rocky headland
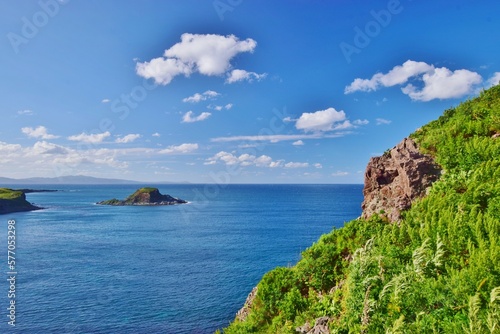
(145, 196)
(15, 201)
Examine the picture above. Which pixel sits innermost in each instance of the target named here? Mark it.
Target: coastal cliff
(145, 196)
(435, 270)
(395, 179)
(14, 201)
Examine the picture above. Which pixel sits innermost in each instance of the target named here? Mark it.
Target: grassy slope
(436, 272)
(9, 194)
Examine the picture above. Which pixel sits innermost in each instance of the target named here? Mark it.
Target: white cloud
(105, 101)
(162, 70)
(323, 120)
(197, 97)
(128, 138)
(156, 134)
(94, 138)
(340, 173)
(382, 121)
(180, 149)
(438, 83)
(444, 84)
(298, 143)
(318, 165)
(206, 54)
(242, 75)
(296, 165)
(188, 117)
(398, 75)
(39, 132)
(360, 122)
(219, 108)
(26, 112)
(494, 80)
(43, 147)
(278, 138)
(6, 148)
(243, 160)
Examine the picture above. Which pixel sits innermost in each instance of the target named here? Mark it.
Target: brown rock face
(395, 179)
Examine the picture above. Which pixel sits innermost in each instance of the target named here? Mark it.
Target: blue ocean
(86, 268)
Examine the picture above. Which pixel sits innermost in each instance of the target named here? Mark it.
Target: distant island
(15, 201)
(145, 196)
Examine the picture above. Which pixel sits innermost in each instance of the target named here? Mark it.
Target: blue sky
(233, 91)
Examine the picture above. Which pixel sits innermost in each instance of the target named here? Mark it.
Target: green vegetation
(436, 271)
(146, 190)
(6, 193)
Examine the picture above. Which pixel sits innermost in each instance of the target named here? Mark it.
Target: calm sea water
(84, 268)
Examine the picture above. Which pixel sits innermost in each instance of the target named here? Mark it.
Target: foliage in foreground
(437, 271)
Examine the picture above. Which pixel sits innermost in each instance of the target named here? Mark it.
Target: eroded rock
(395, 179)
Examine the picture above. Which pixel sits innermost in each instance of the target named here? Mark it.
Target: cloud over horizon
(94, 138)
(180, 149)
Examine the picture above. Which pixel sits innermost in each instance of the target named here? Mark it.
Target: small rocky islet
(145, 196)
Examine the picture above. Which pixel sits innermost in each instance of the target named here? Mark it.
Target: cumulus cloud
(105, 100)
(298, 143)
(318, 165)
(438, 83)
(382, 121)
(205, 54)
(444, 84)
(180, 149)
(197, 97)
(242, 75)
(43, 147)
(243, 160)
(156, 134)
(340, 173)
(128, 138)
(494, 80)
(188, 117)
(38, 132)
(94, 138)
(398, 75)
(49, 157)
(323, 120)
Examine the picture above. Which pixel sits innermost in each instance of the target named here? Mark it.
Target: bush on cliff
(436, 271)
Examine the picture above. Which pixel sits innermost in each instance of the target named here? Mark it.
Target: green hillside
(437, 271)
